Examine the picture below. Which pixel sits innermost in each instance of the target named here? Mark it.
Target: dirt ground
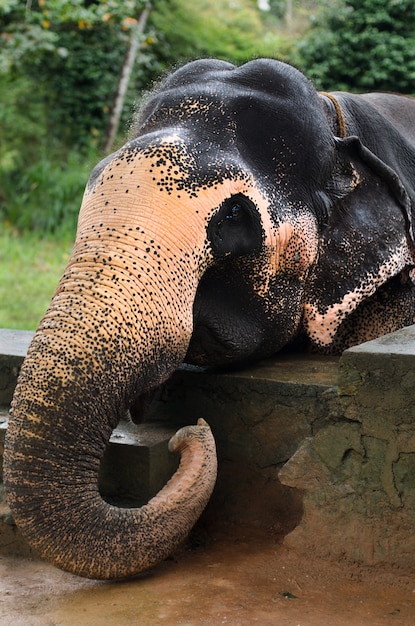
(244, 580)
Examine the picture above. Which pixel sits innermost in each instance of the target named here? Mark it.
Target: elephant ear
(367, 240)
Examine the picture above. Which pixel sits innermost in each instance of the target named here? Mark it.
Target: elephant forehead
(200, 112)
(175, 164)
(169, 179)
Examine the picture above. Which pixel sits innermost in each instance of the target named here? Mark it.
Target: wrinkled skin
(233, 224)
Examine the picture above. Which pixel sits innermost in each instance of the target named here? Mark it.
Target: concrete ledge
(320, 450)
(259, 416)
(137, 463)
(358, 474)
(13, 349)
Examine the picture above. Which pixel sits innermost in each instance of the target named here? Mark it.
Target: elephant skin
(247, 214)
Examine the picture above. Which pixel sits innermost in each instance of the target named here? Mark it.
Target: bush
(214, 29)
(46, 195)
(23, 123)
(362, 45)
(79, 86)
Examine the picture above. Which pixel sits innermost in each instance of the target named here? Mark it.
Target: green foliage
(212, 29)
(46, 194)
(56, 92)
(78, 87)
(279, 7)
(21, 38)
(362, 45)
(72, 53)
(41, 184)
(22, 124)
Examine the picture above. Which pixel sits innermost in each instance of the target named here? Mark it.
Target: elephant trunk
(87, 362)
(69, 524)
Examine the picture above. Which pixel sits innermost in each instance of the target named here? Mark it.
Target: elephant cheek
(280, 296)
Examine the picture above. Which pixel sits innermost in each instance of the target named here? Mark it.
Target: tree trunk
(289, 14)
(124, 79)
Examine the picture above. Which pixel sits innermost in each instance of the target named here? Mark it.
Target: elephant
(246, 214)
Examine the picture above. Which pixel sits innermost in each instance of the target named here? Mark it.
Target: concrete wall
(358, 473)
(320, 450)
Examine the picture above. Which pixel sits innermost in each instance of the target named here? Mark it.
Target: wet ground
(234, 577)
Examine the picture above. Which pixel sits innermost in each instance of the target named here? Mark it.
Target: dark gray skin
(234, 223)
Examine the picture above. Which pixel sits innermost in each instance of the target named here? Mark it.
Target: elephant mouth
(212, 348)
(212, 345)
(139, 406)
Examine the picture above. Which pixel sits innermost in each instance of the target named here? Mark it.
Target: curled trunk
(51, 467)
(86, 364)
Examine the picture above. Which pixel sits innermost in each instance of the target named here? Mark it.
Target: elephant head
(211, 237)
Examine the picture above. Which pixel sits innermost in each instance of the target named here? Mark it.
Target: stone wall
(318, 449)
(357, 474)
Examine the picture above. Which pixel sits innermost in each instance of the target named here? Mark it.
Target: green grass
(30, 268)
(39, 203)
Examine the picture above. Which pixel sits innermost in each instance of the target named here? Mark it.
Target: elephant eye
(234, 213)
(236, 227)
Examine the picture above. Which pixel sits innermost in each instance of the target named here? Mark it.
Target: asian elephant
(248, 213)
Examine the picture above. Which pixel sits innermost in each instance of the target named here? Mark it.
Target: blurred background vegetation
(66, 67)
